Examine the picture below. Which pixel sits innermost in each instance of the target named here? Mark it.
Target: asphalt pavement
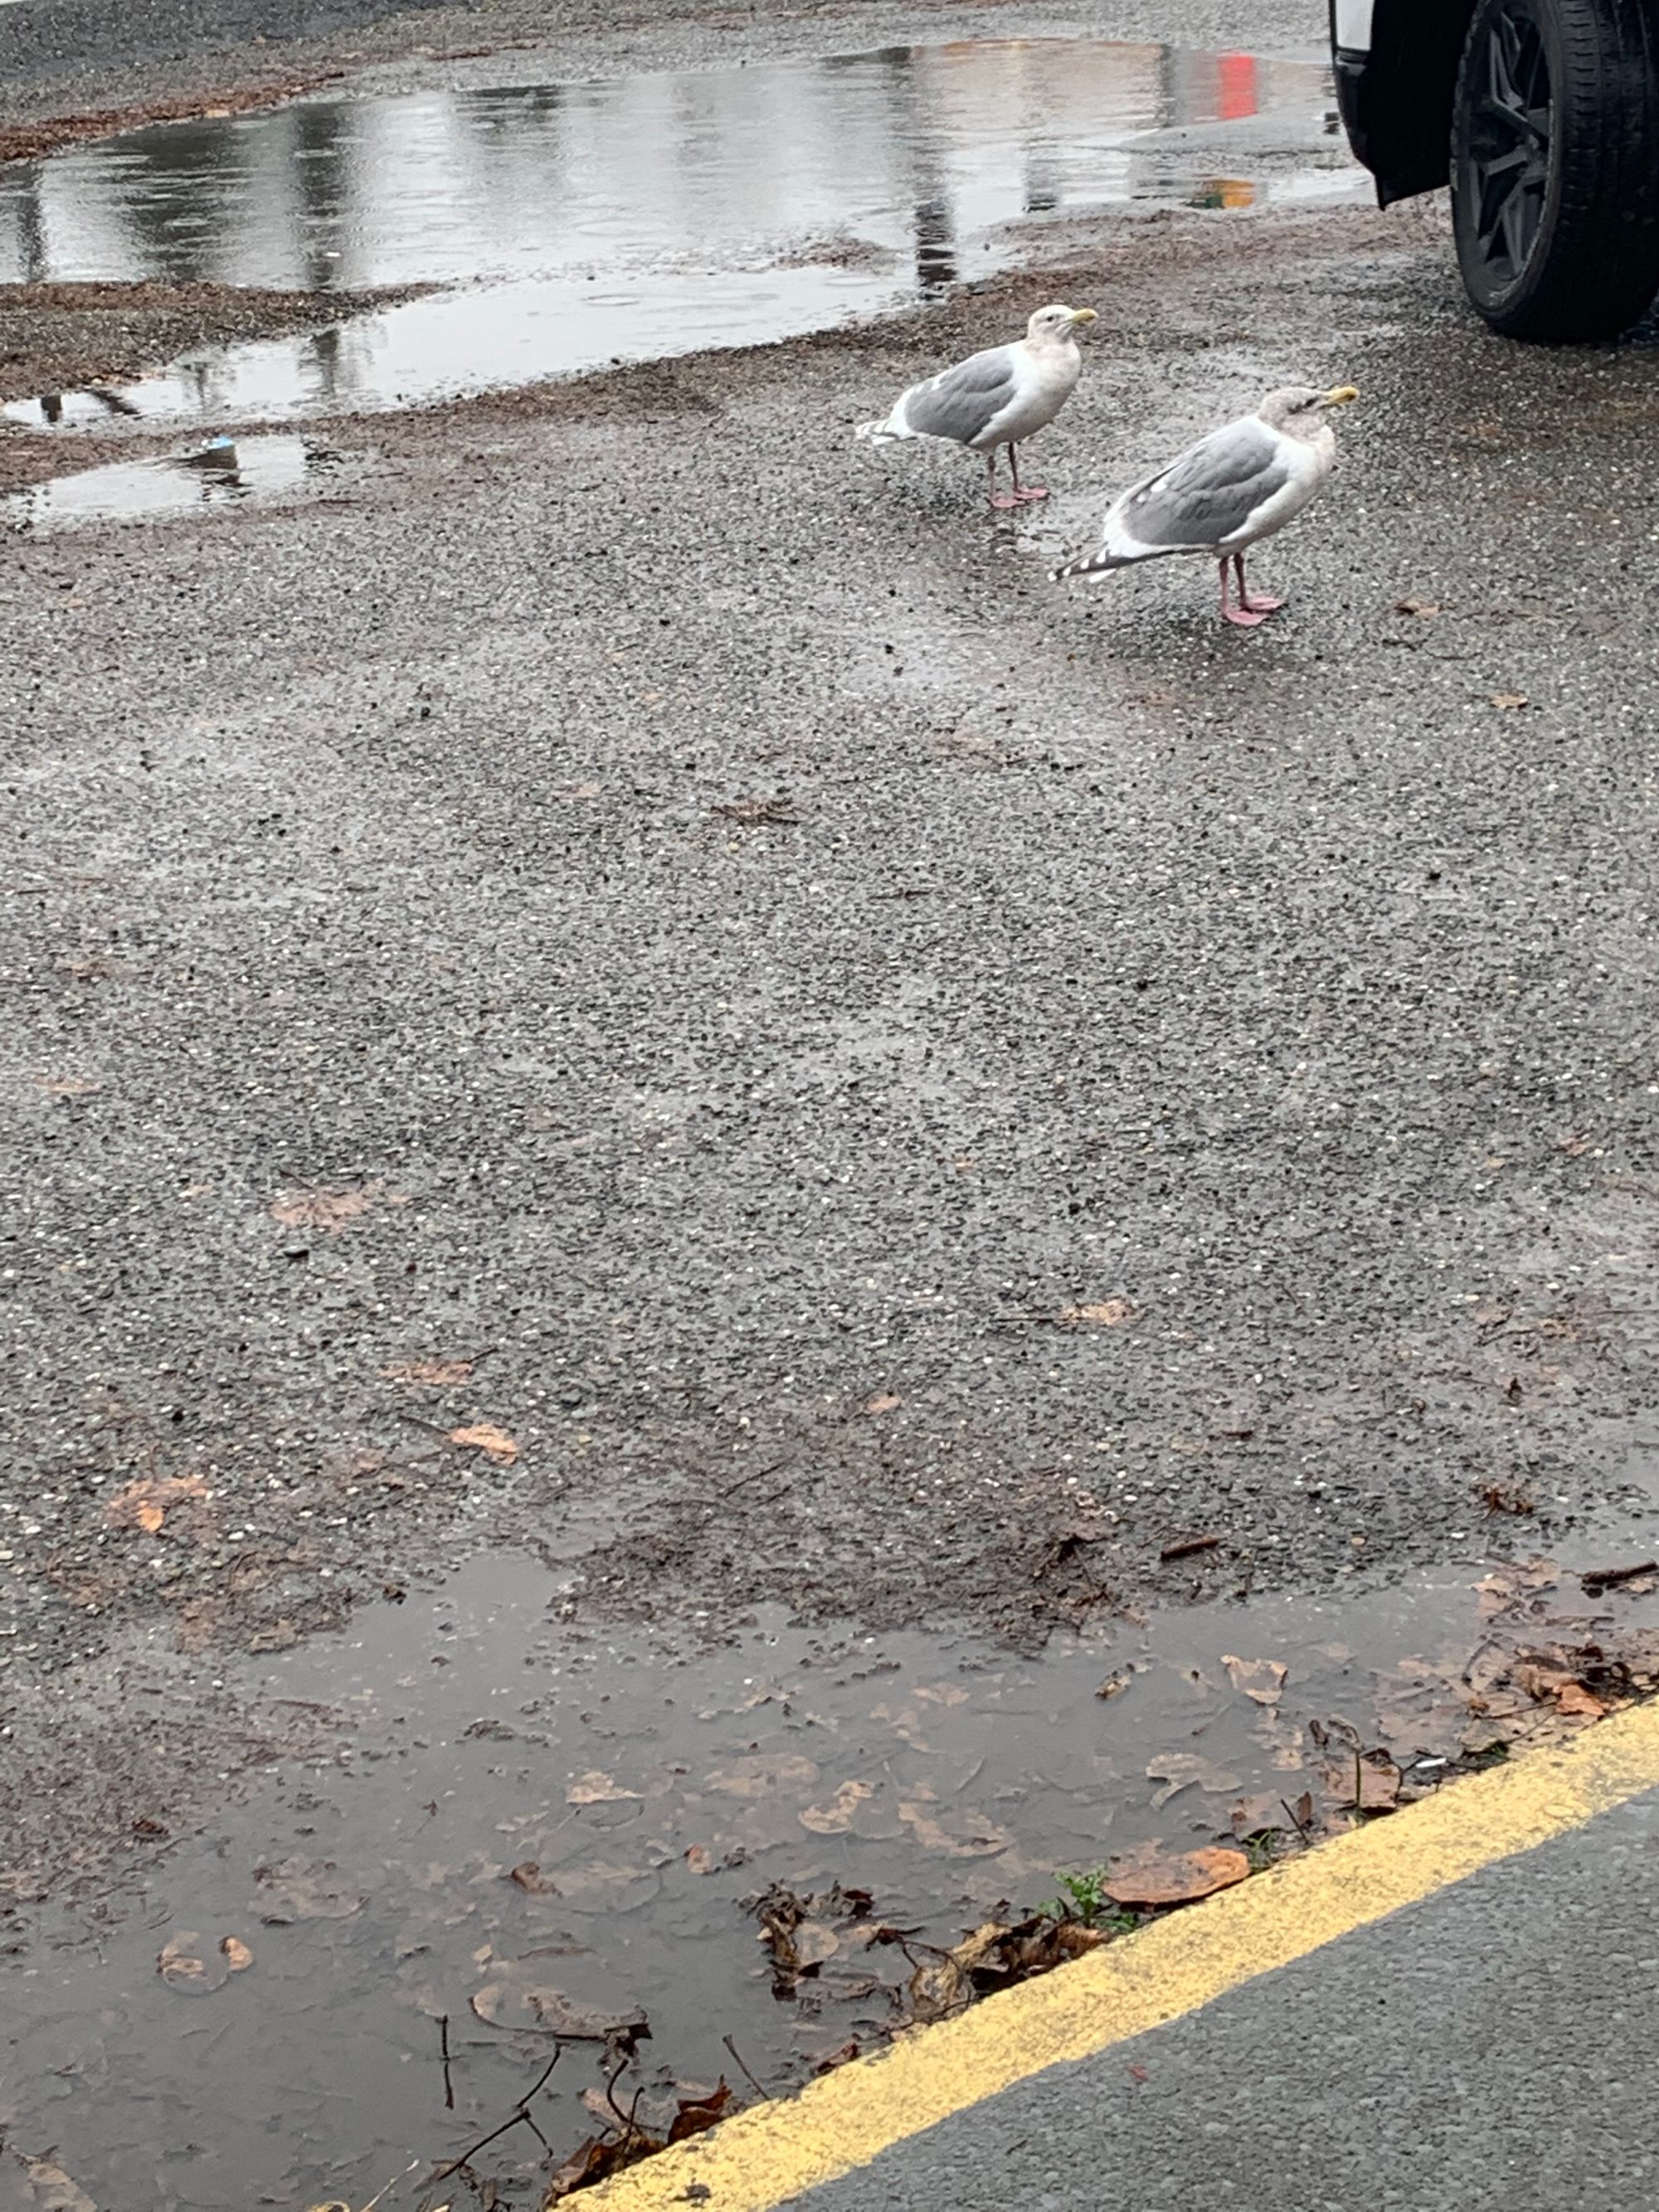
(640, 926)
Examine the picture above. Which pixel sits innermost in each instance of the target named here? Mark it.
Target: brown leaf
(763, 1775)
(699, 1859)
(1116, 1685)
(1175, 1877)
(52, 2188)
(1261, 1680)
(597, 2159)
(938, 1986)
(430, 1374)
(145, 1503)
(304, 1889)
(529, 1878)
(1379, 1782)
(186, 1966)
(1578, 1703)
(1184, 1770)
(815, 1941)
(1110, 1313)
(884, 1401)
(238, 1956)
(836, 1818)
(697, 2113)
(1258, 1810)
(842, 2056)
(510, 2001)
(323, 1208)
(1509, 701)
(594, 1787)
(1427, 609)
(484, 1436)
(981, 1839)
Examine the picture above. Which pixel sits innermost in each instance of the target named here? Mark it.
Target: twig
(759, 2087)
(1596, 1579)
(1290, 1813)
(522, 2116)
(443, 2045)
(1188, 1547)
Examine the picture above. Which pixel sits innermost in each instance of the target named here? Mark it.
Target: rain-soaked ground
(568, 226)
(516, 1829)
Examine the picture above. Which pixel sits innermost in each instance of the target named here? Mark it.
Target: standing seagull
(1238, 484)
(995, 398)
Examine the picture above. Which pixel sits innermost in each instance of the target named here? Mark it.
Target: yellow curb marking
(771, 2153)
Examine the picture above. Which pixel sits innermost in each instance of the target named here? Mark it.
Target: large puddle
(520, 1826)
(572, 226)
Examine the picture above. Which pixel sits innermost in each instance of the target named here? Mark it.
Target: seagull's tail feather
(1090, 564)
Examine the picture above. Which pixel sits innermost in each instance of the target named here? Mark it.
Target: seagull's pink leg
(1023, 493)
(1240, 617)
(1265, 605)
(1001, 500)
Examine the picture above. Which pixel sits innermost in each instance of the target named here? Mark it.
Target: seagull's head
(1051, 325)
(1299, 408)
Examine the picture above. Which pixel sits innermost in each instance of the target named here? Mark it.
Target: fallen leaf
(145, 1505)
(763, 1775)
(510, 2000)
(184, 1965)
(596, 1788)
(484, 1436)
(1110, 1313)
(884, 1401)
(1498, 1498)
(1185, 1770)
(1427, 609)
(238, 1956)
(1116, 1685)
(52, 2188)
(1176, 1877)
(597, 2160)
(328, 1210)
(815, 1941)
(1575, 1701)
(1509, 700)
(699, 1859)
(842, 2055)
(836, 1818)
(531, 1879)
(697, 2113)
(938, 1986)
(1261, 1680)
(304, 1889)
(983, 1838)
(69, 1086)
(1379, 1782)
(1256, 1812)
(1574, 1146)
(430, 1374)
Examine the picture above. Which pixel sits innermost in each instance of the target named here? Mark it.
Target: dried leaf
(596, 1788)
(430, 1374)
(1261, 1680)
(938, 1986)
(238, 1956)
(52, 2188)
(836, 1818)
(1184, 1770)
(1509, 701)
(1578, 1703)
(1116, 1685)
(597, 2160)
(1110, 1313)
(884, 1401)
(815, 1941)
(981, 1838)
(323, 1208)
(1427, 609)
(697, 2113)
(531, 1879)
(186, 1966)
(145, 1504)
(699, 1859)
(69, 1086)
(304, 1889)
(484, 1436)
(763, 1775)
(511, 2000)
(1175, 1877)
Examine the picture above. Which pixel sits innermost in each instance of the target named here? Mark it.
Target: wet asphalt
(753, 954)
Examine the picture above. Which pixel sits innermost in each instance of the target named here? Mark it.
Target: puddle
(224, 474)
(579, 225)
(643, 1791)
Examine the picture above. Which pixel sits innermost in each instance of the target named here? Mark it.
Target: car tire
(1555, 166)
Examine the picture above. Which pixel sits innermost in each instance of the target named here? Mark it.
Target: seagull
(995, 398)
(1240, 483)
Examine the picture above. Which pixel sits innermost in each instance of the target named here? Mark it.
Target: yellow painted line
(772, 2152)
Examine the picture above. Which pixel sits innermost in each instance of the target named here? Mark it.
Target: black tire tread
(1594, 268)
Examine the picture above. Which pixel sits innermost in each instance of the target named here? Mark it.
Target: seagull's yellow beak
(1340, 395)
(1085, 315)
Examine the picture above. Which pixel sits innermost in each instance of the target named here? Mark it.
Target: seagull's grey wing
(1212, 491)
(962, 402)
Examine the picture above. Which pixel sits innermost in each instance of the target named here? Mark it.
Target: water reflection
(222, 474)
(641, 217)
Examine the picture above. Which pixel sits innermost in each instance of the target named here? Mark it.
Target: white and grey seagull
(996, 397)
(1222, 495)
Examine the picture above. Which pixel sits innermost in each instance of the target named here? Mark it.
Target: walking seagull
(1239, 484)
(996, 397)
